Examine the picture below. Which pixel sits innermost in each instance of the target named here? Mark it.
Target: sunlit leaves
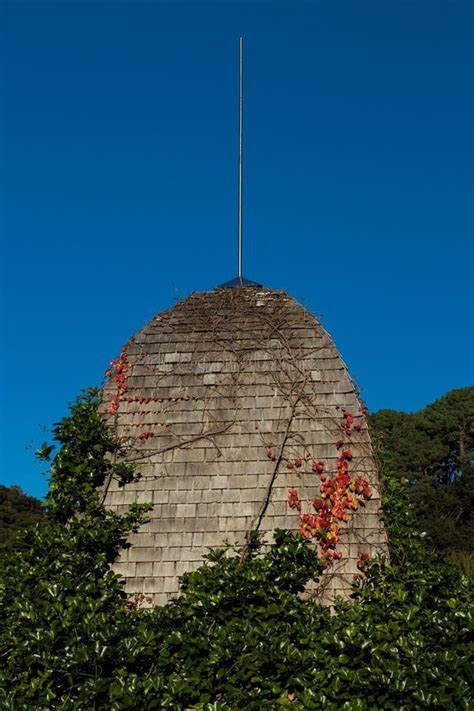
(241, 635)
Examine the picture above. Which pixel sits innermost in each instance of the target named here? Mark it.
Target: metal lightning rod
(241, 130)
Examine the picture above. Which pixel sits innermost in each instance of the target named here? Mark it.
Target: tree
(434, 450)
(17, 511)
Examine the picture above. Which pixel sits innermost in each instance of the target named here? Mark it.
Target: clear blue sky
(118, 186)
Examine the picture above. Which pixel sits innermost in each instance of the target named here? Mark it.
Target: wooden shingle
(222, 394)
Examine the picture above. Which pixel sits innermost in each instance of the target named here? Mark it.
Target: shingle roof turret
(226, 401)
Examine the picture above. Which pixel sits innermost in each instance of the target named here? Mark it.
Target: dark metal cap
(237, 282)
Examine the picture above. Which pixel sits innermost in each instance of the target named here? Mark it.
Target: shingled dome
(241, 415)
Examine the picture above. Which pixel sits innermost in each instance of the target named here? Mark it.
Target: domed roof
(226, 402)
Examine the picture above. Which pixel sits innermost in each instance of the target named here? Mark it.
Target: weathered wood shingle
(210, 386)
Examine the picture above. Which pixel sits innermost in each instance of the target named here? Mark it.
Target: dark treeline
(433, 452)
(17, 511)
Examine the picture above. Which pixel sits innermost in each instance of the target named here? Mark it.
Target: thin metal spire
(240, 280)
(241, 130)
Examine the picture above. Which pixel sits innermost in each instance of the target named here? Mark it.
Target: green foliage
(434, 450)
(17, 512)
(62, 612)
(241, 635)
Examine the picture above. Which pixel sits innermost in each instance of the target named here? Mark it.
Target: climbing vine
(118, 372)
(340, 495)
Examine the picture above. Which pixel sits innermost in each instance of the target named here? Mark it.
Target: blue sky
(119, 178)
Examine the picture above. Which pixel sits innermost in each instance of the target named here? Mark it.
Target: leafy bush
(63, 614)
(240, 636)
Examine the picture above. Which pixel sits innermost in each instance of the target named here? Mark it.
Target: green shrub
(240, 636)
